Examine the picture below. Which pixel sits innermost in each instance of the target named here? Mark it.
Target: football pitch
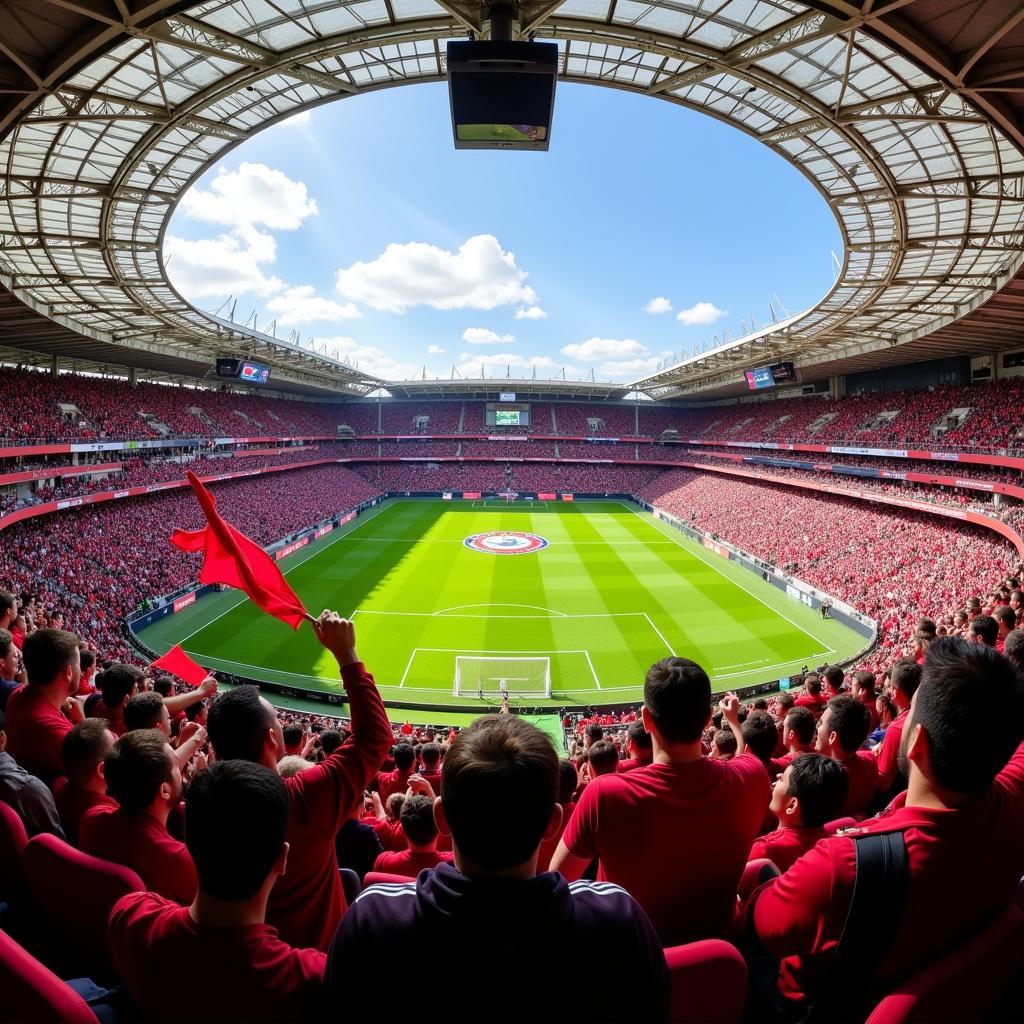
(593, 591)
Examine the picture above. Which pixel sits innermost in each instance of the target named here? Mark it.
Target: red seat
(965, 984)
(707, 983)
(32, 994)
(383, 878)
(74, 894)
(13, 839)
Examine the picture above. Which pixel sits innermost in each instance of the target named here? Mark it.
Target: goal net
(492, 676)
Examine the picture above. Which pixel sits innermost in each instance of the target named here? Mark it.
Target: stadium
(698, 673)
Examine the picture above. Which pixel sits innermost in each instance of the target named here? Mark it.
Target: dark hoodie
(504, 950)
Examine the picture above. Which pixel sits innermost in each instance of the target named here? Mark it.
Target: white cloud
(627, 369)
(530, 313)
(470, 362)
(701, 313)
(484, 336)
(225, 265)
(435, 350)
(253, 195)
(658, 305)
(301, 305)
(605, 348)
(478, 275)
(369, 358)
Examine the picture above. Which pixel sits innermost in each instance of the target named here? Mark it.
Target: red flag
(179, 664)
(231, 558)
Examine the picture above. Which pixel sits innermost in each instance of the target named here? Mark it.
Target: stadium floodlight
(493, 675)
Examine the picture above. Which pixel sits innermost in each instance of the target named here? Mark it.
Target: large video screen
(507, 414)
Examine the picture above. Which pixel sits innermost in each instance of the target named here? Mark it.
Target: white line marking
(660, 634)
(597, 682)
(560, 615)
(501, 604)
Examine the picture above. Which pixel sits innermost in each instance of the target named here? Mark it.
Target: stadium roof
(905, 114)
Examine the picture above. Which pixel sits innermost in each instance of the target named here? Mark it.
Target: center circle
(506, 542)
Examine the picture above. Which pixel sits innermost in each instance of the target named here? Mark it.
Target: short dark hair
(6, 639)
(137, 765)
(500, 784)
(84, 747)
(1013, 647)
(967, 690)
(430, 754)
(1004, 613)
(143, 711)
(850, 721)
(761, 734)
(677, 692)
(237, 724)
(821, 785)
(193, 711)
(801, 724)
(117, 682)
(906, 676)
(864, 679)
(604, 758)
(813, 683)
(568, 780)
(417, 819)
(236, 819)
(594, 732)
(404, 756)
(986, 627)
(292, 734)
(725, 741)
(87, 658)
(330, 740)
(164, 685)
(785, 699)
(48, 652)
(7, 602)
(834, 676)
(639, 736)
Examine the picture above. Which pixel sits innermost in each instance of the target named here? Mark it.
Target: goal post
(492, 675)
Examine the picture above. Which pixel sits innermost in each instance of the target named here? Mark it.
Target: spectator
(641, 825)
(811, 696)
(421, 834)
(88, 663)
(307, 902)
(639, 752)
(810, 792)
(500, 783)
(430, 755)
(958, 790)
(723, 745)
(983, 630)
(147, 711)
(117, 685)
(568, 781)
(357, 845)
(32, 800)
(236, 819)
(842, 730)
(603, 759)
(8, 609)
(863, 688)
(761, 736)
(798, 735)
(10, 667)
(1005, 621)
(1013, 648)
(906, 676)
(83, 753)
(294, 739)
(143, 776)
(35, 723)
(397, 781)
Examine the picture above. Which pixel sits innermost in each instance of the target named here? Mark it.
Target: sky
(644, 233)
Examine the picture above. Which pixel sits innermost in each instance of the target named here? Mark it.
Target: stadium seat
(963, 985)
(383, 878)
(13, 839)
(75, 893)
(32, 993)
(756, 873)
(707, 982)
(350, 884)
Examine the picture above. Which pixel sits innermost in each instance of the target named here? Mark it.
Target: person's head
(1013, 648)
(604, 758)
(243, 726)
(834, 676)
(147, 711)
(53, 660)
(1005, 619)
(638, 742)
(405, 756)
(8, 608)
(393, 808)
(236, 818)
(568, 780)
(761, 734)
(430, 755)
(197, 712)
(418, 823)
(905, 678)
(959, 619)
(983, 630)
(677, 701)
(83, 751)
(118, 684)
(87, 660)
(1017, 601)
(723, 745)
(783, 702)
(798, 729)
(967, 690)
(8, 655)
(330, 740)
(810, 792)
(499, 798)
(292, 764)
(812, 684)
(164, 685)
(292, 734)
(863, 685)
(592, 734)
(843, 727)
(924, 631)
(142, 772)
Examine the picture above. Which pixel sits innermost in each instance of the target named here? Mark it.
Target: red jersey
(35, 730)
(785, 846)
(72, 804)
(815, 704)
(396, 781)
(434, 778)
(862, 774)
(307, 902)
(800, 915)
(242, 973)
(410, 862)
(631, 763)
(676, 837)
(140, 842)
(390, 834)
(888, 758)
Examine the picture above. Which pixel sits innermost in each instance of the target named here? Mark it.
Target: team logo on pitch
(506, 542)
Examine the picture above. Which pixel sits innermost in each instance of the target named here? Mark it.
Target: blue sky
(359, 225)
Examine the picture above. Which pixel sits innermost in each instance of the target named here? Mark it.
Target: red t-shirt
(307, 901)
(114, 716)
(785, 846)
(815, 704)
(410, 862)
(676, 838)
(950, 894)
(140, 842)
(862, 774)
(396, 781)
(72, 804)
(631, 764)
(35, 730)
(434, 778)
(888, 759)
(244, 973)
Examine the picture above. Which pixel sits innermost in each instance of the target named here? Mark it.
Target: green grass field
(613, 591)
